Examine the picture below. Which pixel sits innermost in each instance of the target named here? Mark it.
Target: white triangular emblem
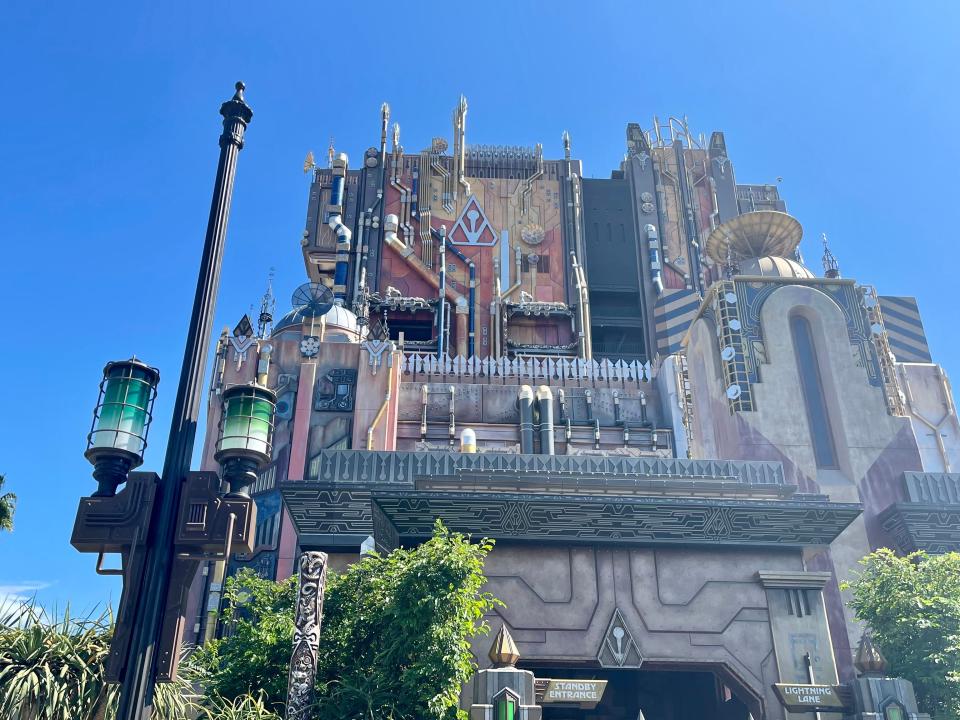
(472, 227)
(618, 648)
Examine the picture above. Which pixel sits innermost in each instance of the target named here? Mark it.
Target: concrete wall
(704, 607)
(873, 447)
(929, 400)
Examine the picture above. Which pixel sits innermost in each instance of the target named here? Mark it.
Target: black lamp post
(145, 521)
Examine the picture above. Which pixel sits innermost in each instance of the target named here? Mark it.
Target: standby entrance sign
(797, 697)
(582, 693)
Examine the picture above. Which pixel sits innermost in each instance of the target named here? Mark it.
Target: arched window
(808, 367)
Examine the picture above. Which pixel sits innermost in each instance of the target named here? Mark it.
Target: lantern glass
(124, 411)
(246, 429)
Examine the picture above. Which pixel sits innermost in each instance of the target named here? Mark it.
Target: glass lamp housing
(505, 706)
(244, 442)
(121, 421)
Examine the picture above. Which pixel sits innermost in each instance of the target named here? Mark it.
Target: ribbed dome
(772, 266)
(337, 319)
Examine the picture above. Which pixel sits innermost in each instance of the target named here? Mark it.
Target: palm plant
(52, 668)
(8, 503)
(244, 707)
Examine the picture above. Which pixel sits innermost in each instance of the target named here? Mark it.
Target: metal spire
(566, 145)
(730, 265)
(268, 304)
(831, 266)
(503, 651)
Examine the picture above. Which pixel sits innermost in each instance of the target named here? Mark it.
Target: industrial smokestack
(545, 406)
(525, 400)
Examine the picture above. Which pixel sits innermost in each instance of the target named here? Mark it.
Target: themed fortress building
(681, 437)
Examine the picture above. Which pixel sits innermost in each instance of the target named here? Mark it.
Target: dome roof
(336, 318)
(339, 317)
(773, 266)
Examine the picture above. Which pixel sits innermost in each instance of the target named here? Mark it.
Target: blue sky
(108, 134)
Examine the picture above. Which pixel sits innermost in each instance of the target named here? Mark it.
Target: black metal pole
(136, 694)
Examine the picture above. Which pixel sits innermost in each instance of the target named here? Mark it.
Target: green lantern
(121, 421)
(245, 439)
(506, 705)
(894, 710)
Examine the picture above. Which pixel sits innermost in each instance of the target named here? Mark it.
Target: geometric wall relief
(618, 648)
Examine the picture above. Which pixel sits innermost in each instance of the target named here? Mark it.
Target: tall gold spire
(504, 651)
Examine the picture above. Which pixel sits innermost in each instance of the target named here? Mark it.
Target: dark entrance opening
(652, 694)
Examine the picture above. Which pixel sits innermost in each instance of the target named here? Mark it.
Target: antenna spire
(268, 304)
(330, 153)
(566, 145)
(730, 266)
(831, 266)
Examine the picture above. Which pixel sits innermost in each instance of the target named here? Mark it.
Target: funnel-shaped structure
(755, 234)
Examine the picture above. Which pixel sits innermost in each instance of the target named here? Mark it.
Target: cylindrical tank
(525, 400)
(545, 405)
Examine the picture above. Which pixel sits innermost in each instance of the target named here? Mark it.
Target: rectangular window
(542, 264)
(821, 434)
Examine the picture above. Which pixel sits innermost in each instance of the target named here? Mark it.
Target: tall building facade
(681, 437)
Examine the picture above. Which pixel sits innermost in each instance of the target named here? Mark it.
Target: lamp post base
(110, 472)
(240, 473)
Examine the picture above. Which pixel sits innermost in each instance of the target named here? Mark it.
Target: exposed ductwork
(390, 226)
(335, 221)
(525, 400)
(545, 408)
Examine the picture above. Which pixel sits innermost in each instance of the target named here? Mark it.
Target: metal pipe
(441, 349)
(545, 406)
(586, 313)
(471, 300)
(424, 398)
(391, 224)
(452, 415)
(518, 261)
(382, 410)
(335, 221)
(653, 243)
(583, 308)
(525, 400)
(358, 246)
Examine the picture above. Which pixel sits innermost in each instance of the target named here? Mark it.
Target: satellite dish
(728, 353)
(754, 234)
(312, 299)
(734, 391)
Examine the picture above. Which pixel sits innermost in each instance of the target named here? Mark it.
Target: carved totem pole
(306, 635)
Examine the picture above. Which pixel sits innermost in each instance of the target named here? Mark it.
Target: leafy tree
(395, 639)
(51, 668)
(912, 604)
(8, 504)
(397, 629)
(254, 657)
